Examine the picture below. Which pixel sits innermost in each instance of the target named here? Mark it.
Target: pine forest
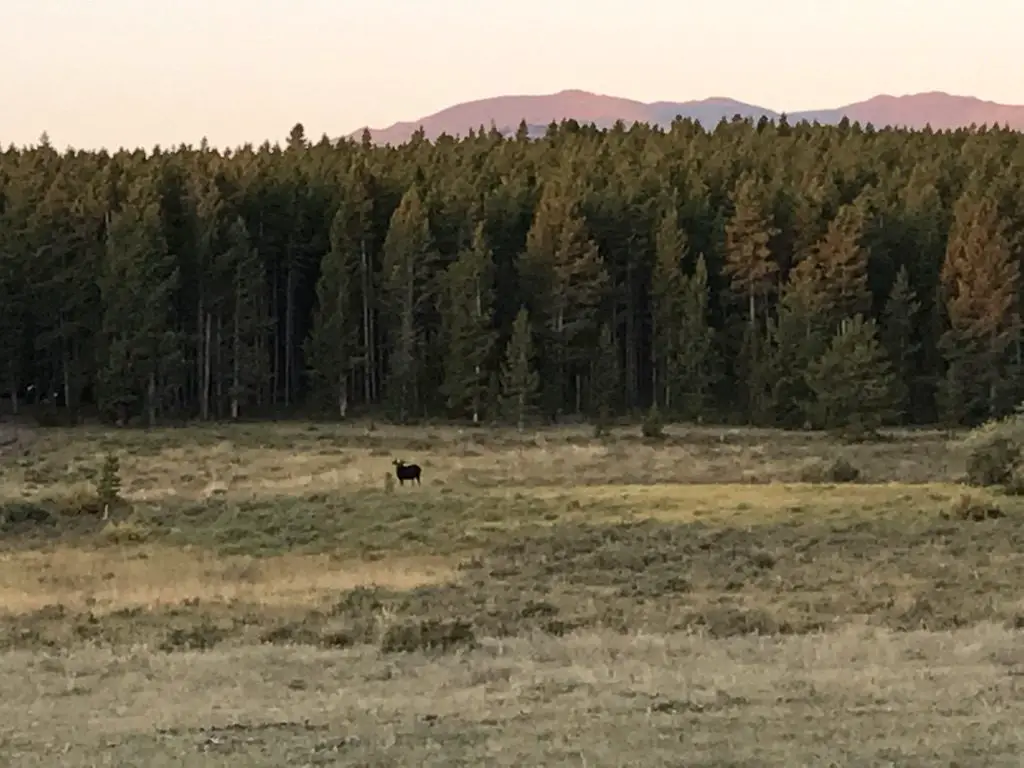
(767, 274)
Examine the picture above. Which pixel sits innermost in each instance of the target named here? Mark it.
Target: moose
(406, 472)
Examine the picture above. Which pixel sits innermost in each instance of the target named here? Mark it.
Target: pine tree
(565, 279)
(408, 255)
(748, 260)
(798, 337)
(981, 284)
(468, 329)
(852, 381)
(898, 337)
(668, 289)
(250, 367)
(696, 365)
(840, 265)
(753, 273)
(332, 342)
(137, 287)
(519, 380)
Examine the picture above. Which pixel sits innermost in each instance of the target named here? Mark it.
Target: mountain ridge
(938, 109)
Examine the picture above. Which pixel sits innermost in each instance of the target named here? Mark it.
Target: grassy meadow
(263, 596)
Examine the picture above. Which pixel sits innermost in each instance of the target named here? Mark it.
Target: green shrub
(838, 470)
(992, 462)
(994, 451)
(653, 428)
(429, 634)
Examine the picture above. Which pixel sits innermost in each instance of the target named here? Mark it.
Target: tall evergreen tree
(899, 327)
(331, 345)
(248, 322)
(798, 337)
(852, 382)
(519, 380)
(408, 255)
(696, 363)
(468, 332)
(749, 263)
(753, 273)
(566, 280)
(137, 286)
(981, 284)
(840, 266)
(668, 295)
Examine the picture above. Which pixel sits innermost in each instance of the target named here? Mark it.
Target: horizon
(116, 75)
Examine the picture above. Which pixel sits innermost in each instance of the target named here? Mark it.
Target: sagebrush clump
(838, 470)
(994, 451)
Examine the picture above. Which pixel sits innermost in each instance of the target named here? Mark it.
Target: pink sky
(128, 72)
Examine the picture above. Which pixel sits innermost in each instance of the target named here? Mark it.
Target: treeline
(769, 273)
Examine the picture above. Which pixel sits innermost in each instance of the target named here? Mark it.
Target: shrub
(992, 462)
(967, 507)
(653, 428)
(994, 450)
(431, 634)
(838, 470)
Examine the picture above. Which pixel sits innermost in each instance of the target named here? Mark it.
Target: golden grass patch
(106, 580)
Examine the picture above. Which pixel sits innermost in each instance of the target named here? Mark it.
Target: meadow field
(263, 596)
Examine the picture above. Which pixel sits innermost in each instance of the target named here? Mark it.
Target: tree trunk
(275, 313)
(476, 397)
(151, 398)
(206, 324)
(201, 359)
(218, 362)
(632, 353)
(289, 330)
(235, 350)
(368, 356)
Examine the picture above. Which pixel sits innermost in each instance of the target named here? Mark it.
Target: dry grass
(565, 600)
(284, 460)
(858, 697)
(106, 580)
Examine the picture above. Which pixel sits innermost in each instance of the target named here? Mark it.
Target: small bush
(836, 471)
(125, 532)
(431, 634)
(992, 462)
(1015, 485)
(78, 503)
(292, 633)
(653, 428)
(25, 514)
(199, 637)
(968, 507)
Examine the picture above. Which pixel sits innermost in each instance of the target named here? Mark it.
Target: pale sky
(139, 72)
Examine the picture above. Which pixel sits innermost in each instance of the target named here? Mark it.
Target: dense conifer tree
(716, 267)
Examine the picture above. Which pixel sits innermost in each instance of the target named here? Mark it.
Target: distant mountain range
(937, 109)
